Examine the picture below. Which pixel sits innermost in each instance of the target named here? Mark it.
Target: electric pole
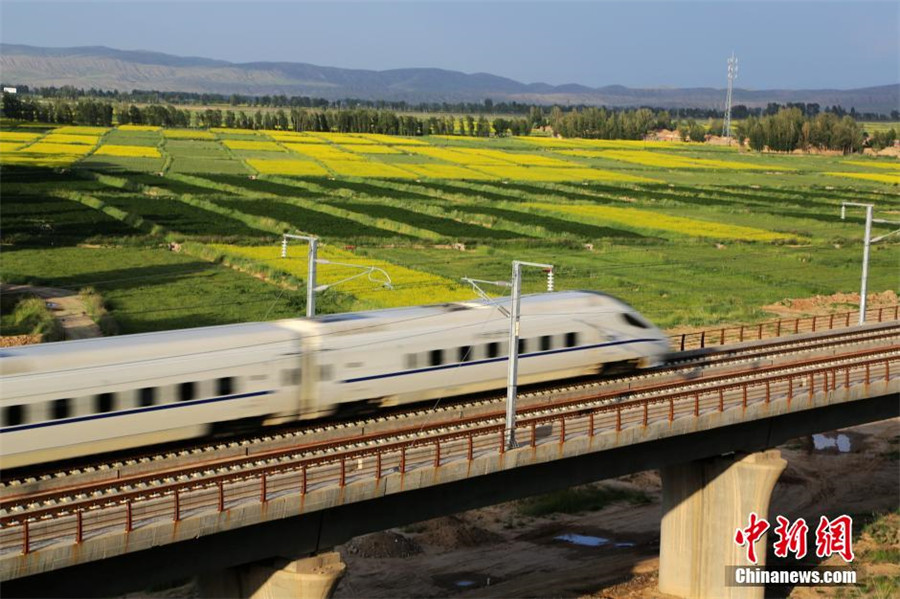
(863, 289)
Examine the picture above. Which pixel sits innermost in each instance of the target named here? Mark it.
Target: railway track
(587, 398)
(26, 523)
(709, 364)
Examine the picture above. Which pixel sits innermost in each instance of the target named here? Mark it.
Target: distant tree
(134, 115)
(12, 106)
(697, 132)
(883, 139)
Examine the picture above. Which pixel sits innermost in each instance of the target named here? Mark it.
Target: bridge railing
(778, 328)
(173, 502)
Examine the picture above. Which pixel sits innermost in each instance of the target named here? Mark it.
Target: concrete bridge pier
(313, 577)
(704, 503)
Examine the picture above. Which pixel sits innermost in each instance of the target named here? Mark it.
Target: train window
(61, 408)
(523, 346)
(103, 403)
(291, 376)
(13, 415)
(225, 386)
(493, 349)
(411, 360)
(436, 357)
(186, 391)
(147, 396)
(546, 342)
(325, 372)
(571, 339)
(635, 322)
(465, 353)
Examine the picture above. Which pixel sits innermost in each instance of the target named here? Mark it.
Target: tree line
(535, 112)
(789, 129)
(600, 123)
(88, 111)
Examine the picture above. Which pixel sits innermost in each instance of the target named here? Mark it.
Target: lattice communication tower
(732, 75)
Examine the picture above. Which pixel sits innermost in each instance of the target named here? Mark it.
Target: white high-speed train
(77, 398)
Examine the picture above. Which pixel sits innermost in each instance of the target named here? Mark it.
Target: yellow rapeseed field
(645, 219)
(42, 160)
(18, 136)
(460, 156)
(46, 147)
(888, 165)
(344, 138)
(446, 171)
(375, 170)
(658, 159)
(261, 146)
(188, 134)
(370, 149)
(462, 137)
(139, 128)
(62, 138)
(323, 152)
(393, 140)
(128, 151)
(78, 130)
(247, 132)
(439, 153)
(46, 154)
(293, 137)
(602, 143)
(411, 287)
(9, 146)
(890, 178)
(524, 159)
(547, 173)
(296, 168)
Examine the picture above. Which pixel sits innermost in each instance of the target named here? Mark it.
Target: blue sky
(822, 44)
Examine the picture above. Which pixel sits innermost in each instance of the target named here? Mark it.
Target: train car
(405, 355)
(74, 398)
(78, 398)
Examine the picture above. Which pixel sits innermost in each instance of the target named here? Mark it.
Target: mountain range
(126, 70)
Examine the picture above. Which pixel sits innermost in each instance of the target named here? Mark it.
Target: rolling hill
(107, 68)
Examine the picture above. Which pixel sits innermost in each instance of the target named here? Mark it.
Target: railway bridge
(260, 515)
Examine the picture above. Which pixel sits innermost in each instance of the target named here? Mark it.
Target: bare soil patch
(17, 340)
(829, 304)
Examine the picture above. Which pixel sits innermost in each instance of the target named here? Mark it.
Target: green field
(691, 234)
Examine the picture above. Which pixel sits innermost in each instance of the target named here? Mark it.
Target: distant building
(9, 90)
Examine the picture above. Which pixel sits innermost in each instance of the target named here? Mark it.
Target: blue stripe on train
(491, 360)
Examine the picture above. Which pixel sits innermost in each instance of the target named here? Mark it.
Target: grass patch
(589, 498)
(30, 316)
(153, 289)
(95, 307)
